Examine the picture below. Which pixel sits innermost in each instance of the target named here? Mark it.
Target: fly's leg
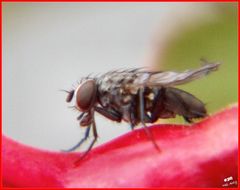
(157, 105)
(95, 135)
(80, 116)
(131, 121)
(92, 143)
(133, 115)
(81, 141)
(159, 109)
(142, 117)
(188, 120)
(110, 114)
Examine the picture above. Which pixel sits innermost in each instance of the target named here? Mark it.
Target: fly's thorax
(114, 88)
(114, 97)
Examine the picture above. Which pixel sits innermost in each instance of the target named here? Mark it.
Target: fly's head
(85, 95)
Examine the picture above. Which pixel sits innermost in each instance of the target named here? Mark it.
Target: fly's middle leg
(109, 113)
(142, 118)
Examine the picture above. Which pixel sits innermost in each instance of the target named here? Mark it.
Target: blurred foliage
(215, 39)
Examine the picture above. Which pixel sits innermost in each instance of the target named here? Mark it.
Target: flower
(204, 154)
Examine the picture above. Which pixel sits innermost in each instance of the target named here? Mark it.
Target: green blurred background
(215, 40)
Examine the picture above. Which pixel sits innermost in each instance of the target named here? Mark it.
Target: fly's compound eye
(86, 95)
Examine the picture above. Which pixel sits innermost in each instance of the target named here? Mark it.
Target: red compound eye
(86, 95)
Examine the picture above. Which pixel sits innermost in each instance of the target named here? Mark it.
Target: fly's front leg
(95, 135)
(85, 120)
(92, 143)
(81, 141)
(142, 117)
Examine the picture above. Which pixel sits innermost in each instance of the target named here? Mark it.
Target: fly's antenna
(69, 96)
(73, 108)
(62, 90)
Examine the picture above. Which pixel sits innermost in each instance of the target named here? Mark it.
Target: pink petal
(202, 155)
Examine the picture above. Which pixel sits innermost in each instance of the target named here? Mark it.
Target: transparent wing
(170, 78)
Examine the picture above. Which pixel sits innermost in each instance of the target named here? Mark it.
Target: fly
(136, 96)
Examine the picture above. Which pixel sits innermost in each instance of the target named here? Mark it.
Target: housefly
(136, 96)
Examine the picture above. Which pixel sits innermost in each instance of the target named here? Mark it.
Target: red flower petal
(202, 155)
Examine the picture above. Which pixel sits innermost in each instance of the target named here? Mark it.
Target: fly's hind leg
(159, 109)
(142, 118)
(188, 120)
(157, 105)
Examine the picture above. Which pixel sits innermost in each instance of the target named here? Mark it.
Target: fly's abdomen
(185, 104)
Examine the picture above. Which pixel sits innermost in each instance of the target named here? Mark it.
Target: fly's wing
(170, 78)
